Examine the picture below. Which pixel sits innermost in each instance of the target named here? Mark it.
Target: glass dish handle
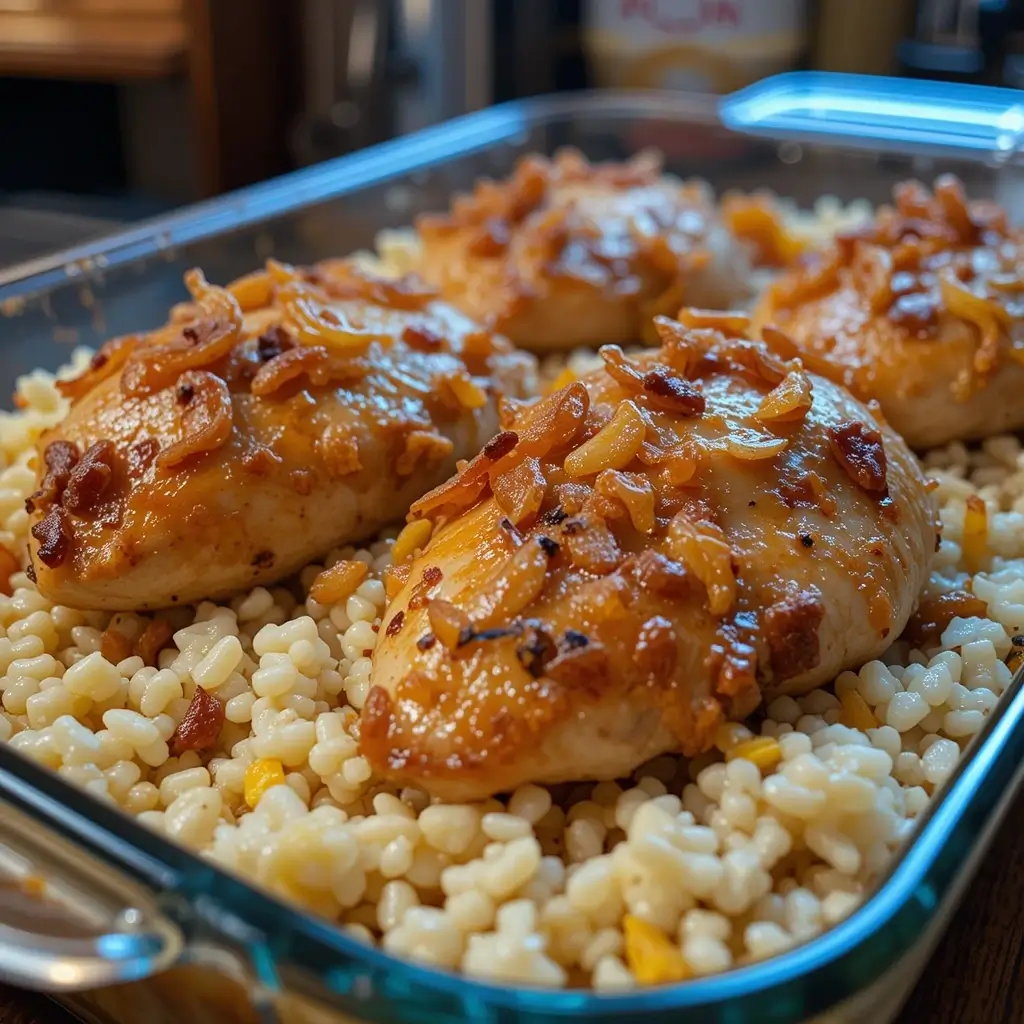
(48, 963)
(872, 111)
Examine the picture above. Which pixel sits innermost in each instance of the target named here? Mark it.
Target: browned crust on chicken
(921, 309)
(565, 252)
(616, 575)
(270, 420)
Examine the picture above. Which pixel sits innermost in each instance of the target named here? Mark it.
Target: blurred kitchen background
(112, 110)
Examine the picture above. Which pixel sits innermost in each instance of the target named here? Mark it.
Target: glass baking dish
(145, 929)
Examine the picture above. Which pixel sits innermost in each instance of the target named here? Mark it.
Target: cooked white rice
(727, 862)
(686, 869)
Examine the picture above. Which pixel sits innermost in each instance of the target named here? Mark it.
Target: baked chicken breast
(267, 423)
(638, 558)
(565, 253)
(922, 310)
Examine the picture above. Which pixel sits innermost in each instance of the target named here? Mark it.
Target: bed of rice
(684, 869)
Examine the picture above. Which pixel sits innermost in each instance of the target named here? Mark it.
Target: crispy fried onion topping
(206, 417)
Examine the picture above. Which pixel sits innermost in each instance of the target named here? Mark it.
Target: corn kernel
(564, 379)
(728, 734)
(469, 394)
(395, 577)
(975, 541)
(260, 776)
(856, 713)
(764, 751)
(414, 535)
(651, 955)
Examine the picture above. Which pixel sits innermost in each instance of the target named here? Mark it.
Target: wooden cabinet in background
(236, 57)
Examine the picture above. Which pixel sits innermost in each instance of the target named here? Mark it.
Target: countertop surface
(976, 975)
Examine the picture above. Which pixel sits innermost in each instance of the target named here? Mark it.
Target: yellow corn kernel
(856, 713)
(975, 542)
(729, 734)
(260, 776)
(564, 379)
(764, 751)
(468, 393)
(414, 535)
(652, 956)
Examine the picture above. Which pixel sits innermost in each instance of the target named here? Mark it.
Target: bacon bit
(520, 492)
(661, 576)
(259, 460)
(537, 650)
(9, 565)
(59, 458)
(787, 402)
(635, 493)
(115, 646)
(90, 479)
(394, 627)
(272, 342)
(53, 532)
(447, 622)
(673, 394)
(791, 629)
(431, 577)
(702, 547)
(806, 490)
(338, 583)
(592, 546)
(581, 667)
(338, 446)
(201, 725)
(975, 535)
(733, 662)
(155, 637)
(425, 447)
(501, 444)
(421, 338)
(141, 456)
(656, 649)
(207, 421)
(859, 450)
(111, 356)
(302, 481)
(426, 642)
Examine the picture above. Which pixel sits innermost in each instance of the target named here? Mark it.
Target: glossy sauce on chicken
(921, 310)
(567, 253)
(640, 557)
(268, 422)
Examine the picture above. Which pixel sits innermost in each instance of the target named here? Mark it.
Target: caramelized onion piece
(520, 491)
(702, 547)
(512, 586)
(987, 315)
(318, 325)
(635, 493)
(111, 356)
(206, 418)
(614, 446)
(789, 401)
(208, 339)
(312, 361)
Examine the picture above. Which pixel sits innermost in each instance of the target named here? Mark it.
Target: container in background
(695, 45)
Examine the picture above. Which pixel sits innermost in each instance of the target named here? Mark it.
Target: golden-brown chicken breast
(267, 423)
(565, 253)
(922, 310)
(639, 557)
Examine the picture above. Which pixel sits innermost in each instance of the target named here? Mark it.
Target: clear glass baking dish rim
(285, 942)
